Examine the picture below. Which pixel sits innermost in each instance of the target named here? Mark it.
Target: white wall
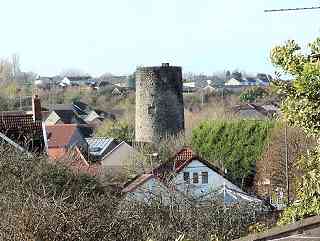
(215, 180)
(154, 190)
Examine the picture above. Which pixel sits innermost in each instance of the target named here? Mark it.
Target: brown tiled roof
(176, 164)
(19, 122)
(137, 182)
(22, 129)
(60, 135)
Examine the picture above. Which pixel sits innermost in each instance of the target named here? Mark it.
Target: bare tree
(72, 72)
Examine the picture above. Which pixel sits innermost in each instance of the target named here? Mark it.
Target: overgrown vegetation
(121, 130)
(252, 94)
(45, 201)
(271, 168)
(301, 109)
(232, 145)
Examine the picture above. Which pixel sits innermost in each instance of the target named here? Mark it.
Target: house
(208, 90)
(75, 80)
(254, 111)
(116, 91)
(148, 188)
(307, 229)
(66, 116)
(228, 196)
(99, 147)
(118, 158)
(24, 129)
(189, 175)
(96, 117)
(235, 82)
(189, 87)
(60, 138)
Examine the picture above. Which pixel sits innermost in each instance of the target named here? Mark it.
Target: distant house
(77, 113)
(75, 80)
(209, 90)
(63, 117)
(235, 82)
(189, 87)
(116, 91)
(96, 117)
(254, 111)
(189, 175)
(61, 138)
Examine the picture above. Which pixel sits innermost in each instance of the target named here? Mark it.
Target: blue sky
(202, 36)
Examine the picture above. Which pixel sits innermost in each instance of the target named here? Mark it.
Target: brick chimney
(36, 108)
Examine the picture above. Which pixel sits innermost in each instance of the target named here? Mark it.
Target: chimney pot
(165, 64)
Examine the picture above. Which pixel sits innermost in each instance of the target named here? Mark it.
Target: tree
(301, 96)
(301, 108)
(271, 168)
(6, 73)
(72, 72)
(121, 130)
(252, 94)
(232, 145)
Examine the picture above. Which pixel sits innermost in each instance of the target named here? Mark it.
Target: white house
(66, 81)
(235, 82)
(190, 176)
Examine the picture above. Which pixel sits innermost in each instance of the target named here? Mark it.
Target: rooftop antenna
(291, 9)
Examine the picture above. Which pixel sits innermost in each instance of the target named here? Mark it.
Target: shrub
(44, 201)
(252, 94)
(233, 145)
(121, 130)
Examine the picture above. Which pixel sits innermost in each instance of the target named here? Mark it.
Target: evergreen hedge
(234, 145)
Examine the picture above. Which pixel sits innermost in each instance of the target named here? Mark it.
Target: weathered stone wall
(159, 102)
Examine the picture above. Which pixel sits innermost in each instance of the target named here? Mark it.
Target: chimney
(165, 64)
(36, 108)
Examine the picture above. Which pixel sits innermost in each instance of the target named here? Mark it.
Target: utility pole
(286, 160)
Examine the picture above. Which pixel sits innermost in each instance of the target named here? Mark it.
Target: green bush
(252, 94)
(234, 145)
(121, 130)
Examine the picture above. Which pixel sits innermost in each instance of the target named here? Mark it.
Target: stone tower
(159, 102)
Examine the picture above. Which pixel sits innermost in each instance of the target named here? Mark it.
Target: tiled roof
(20, 122)
(22, 129)
(176, 164)
(77, 162)
(60, 135)
(69, 117)
(137, 182)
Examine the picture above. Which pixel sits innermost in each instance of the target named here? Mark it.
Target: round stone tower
(159, 102)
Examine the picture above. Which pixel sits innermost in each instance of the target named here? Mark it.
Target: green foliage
(237, 144)
(252, 94)
(121, 130)
(301, 105)
(307, 190)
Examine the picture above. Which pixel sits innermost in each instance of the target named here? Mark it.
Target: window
(195, 177)
(186, 177)
(204, 176)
